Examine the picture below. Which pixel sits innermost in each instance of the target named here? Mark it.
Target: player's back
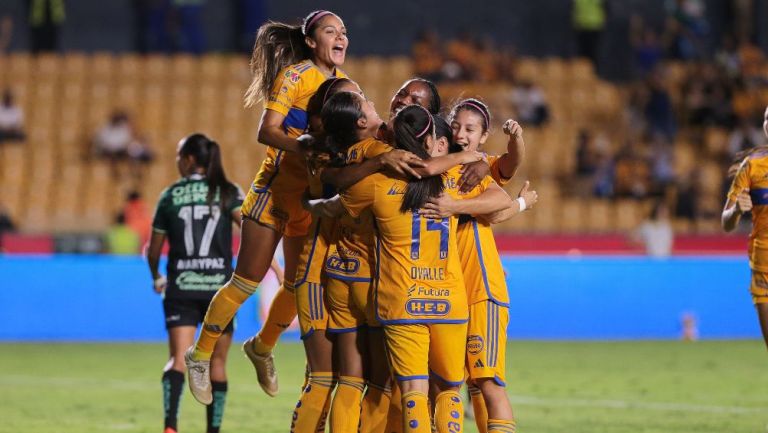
(199, 236)
(418, 271)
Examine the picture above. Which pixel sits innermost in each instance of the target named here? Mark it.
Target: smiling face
(412, 92)
(467, 128)
(329, 41)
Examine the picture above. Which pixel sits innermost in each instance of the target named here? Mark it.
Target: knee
(490, 388)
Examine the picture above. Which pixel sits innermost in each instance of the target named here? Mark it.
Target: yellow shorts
(487, 341)
(350, 305)
(759, 287)
(416, 351)
(310, 307)
(280, 212)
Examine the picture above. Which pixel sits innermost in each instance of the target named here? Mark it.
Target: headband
(477, 107)
(429, 122)
(330, 86)
(316, 17)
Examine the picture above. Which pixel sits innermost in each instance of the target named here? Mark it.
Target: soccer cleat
(170, 430)
(265, 367)
(199, 373)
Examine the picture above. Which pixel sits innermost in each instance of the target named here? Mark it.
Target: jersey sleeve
(160, 221)
(375, 149)
(477, 190)
(495, 163)
(236, 202)
(285, 91)
(359, 196)
(740, 181)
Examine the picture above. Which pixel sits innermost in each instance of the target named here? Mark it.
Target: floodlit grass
(589, 387)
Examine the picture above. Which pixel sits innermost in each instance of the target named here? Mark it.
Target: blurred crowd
(695, 100)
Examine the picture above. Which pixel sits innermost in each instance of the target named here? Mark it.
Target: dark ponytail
(340, 115)
(475, 105)
(207, 155)
(315, 106)
(411, 127)
(277, 46)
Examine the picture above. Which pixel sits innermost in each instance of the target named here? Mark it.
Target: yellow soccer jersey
(480, 260)
(418, 273)
(753, 175)
(284, 172)
(352, 251)
(493, 161)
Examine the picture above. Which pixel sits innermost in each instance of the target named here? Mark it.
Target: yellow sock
(221, 310)
(395, 412)
(481, 412)
(312, 409)
(374, 409)
(282, 311)
(501, 426)
(345, 410)
(449, 412)
(416, 413)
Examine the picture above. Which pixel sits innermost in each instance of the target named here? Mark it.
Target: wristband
(521, 202)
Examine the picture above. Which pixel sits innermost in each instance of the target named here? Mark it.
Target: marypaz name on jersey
(204, 263)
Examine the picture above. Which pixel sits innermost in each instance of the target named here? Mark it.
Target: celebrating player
(195, 214)
(415, 294)
(749, 193)
(481, 265)
(289, 63)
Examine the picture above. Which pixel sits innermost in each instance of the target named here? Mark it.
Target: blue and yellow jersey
(753, 176)
(285, 172)
(493, 161)
(418, 275)
(352, 250)
(480, 260)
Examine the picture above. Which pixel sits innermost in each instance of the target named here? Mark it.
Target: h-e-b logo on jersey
(427, 307)
(346, 265)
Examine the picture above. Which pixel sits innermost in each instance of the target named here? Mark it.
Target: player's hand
(513, 129)
(402, 163)
(438, 207)
(530, 196)
(160, 284)
(744, 202)
(472, 174)
(472, 156)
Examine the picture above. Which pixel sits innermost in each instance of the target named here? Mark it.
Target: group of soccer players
(390, 261)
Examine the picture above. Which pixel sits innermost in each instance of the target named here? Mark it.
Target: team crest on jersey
(475, 344)
(292, 75)
(343, 265)
(427, 307)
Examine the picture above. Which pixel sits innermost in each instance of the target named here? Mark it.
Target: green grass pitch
(589, 387)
